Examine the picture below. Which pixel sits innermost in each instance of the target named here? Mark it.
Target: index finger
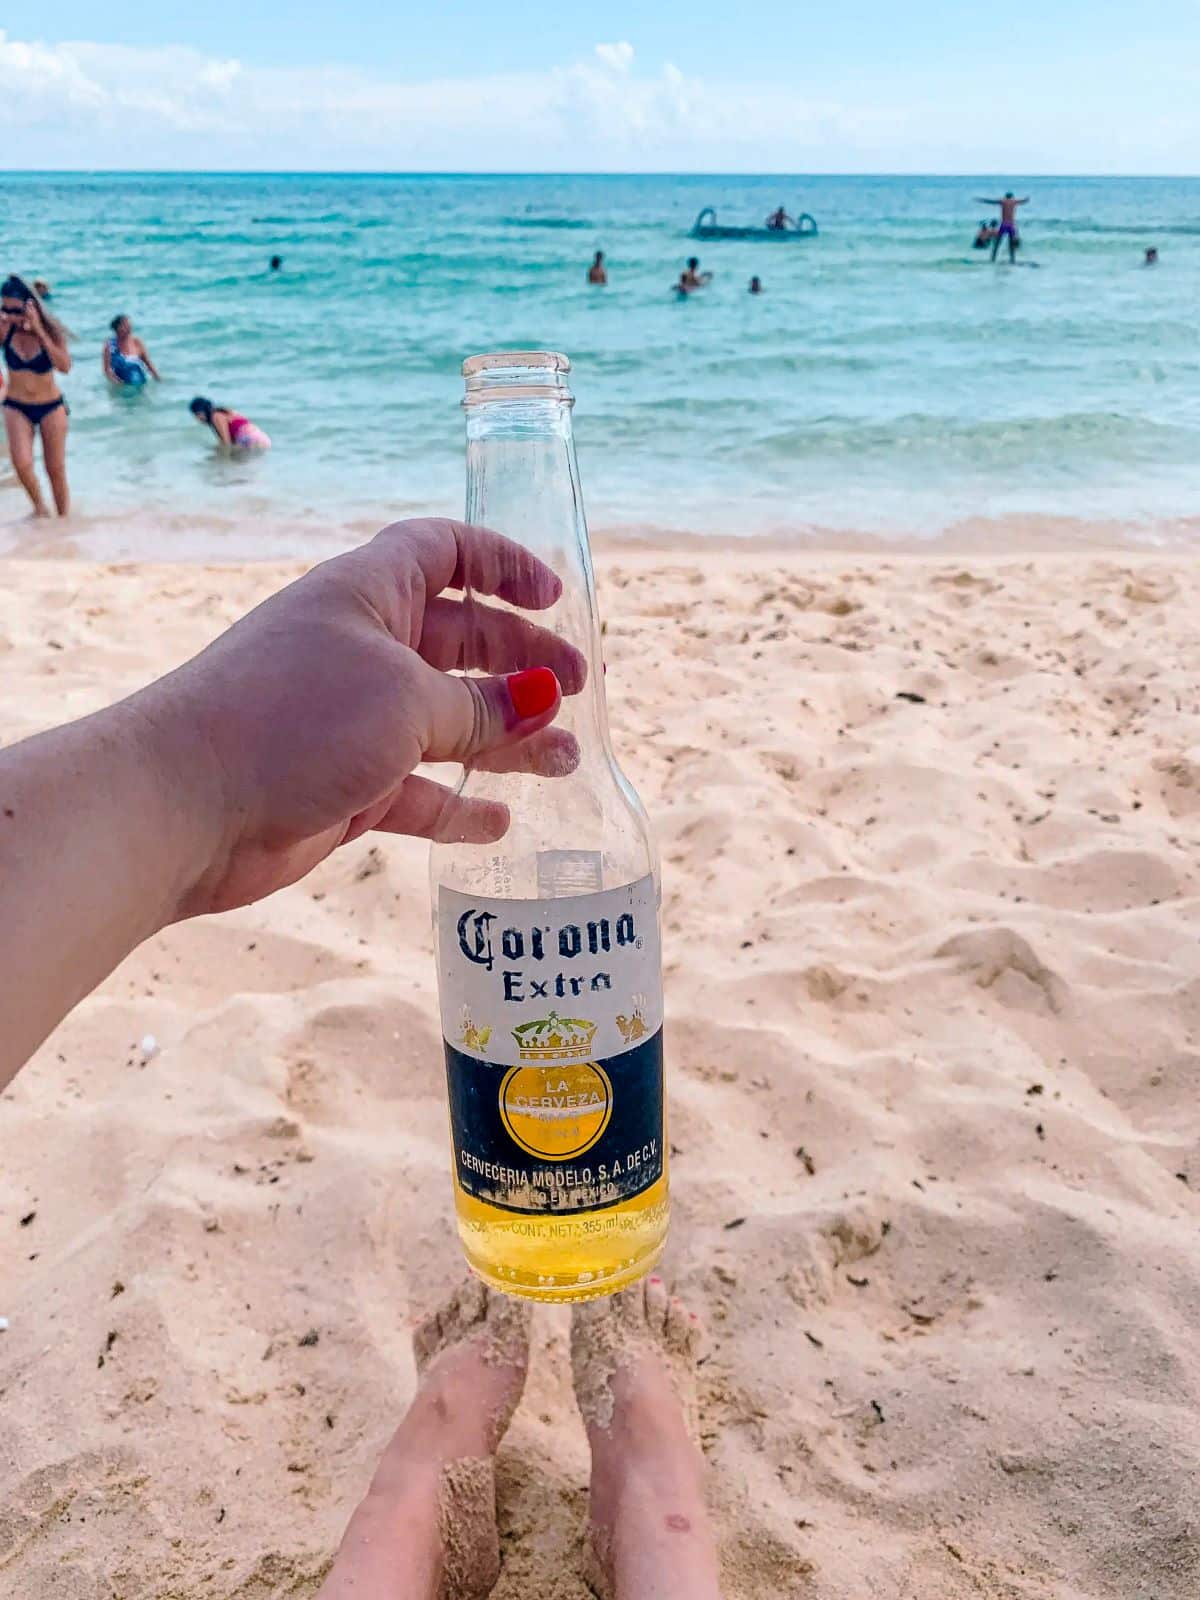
(457, 555)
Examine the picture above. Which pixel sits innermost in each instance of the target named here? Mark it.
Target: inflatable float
(706, 226)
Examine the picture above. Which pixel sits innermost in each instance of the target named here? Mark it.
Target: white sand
(933, 987)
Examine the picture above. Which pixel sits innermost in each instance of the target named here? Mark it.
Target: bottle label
(552, 1018)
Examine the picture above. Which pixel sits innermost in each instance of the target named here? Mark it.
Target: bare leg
(54, 457)
(427, 1528)
(20, 449)
(633, 1358)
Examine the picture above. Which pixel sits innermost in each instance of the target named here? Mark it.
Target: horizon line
(590, 172)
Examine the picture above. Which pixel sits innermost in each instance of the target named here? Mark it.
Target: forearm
(99, 840)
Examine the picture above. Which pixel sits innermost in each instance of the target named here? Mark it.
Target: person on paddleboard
(1008, 222)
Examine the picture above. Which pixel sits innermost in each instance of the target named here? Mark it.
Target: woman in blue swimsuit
(34, 345)
(126, 359)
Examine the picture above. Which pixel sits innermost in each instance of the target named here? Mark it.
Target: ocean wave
(546, 222)
(1069, 444)
(1131, 230)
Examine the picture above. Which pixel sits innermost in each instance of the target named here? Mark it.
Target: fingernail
(656, 1280)
(532, 692)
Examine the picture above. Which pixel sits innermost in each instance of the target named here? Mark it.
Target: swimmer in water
(233, 431)
(276, 263)
(598, 272)
(1151, 256)
(125, 360)
(985, 235)
(1008, 222)
(692, 277)
(779, 220)
(756, 286)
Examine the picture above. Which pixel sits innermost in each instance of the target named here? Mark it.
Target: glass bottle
(548, 944)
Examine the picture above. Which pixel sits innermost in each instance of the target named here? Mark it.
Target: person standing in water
(35, 348)
(233, 430)
(125, 360)
(598, 272)
(1008, 222)
(756, 286)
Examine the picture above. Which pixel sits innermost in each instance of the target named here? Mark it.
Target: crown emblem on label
(555, 1038)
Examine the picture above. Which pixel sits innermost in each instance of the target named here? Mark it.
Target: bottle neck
(523, 480)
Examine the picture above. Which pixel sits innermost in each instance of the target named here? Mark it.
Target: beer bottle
(549, 965)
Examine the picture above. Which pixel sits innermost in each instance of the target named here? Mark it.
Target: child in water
(233, 430)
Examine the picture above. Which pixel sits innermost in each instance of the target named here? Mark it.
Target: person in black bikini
(35, 346)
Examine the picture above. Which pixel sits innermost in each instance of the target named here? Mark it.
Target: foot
(427, 1529)
(633, 1357)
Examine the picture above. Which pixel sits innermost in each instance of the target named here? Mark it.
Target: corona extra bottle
(549, 967)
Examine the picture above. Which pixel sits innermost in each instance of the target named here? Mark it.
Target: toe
(507, 1322)
(655, 1300)
(676, 1327)
(472, 1303)
(695, 1338)
(455, 1318)
(629, 1308)
(427, 1340)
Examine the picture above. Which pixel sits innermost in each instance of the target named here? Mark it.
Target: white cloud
(127, 106)
(77, 104)
(618, 56)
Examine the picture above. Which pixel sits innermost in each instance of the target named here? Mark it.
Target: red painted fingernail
(532, 692)
(656, 1280)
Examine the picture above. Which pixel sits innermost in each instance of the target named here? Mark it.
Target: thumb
(465, 717)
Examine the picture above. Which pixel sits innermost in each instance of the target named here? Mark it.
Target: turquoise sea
(889, 380)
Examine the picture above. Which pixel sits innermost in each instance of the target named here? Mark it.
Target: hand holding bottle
(295, 731)
(317, 706)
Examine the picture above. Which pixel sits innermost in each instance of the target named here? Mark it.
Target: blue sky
(705, 86)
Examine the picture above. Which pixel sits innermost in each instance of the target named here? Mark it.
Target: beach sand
(929, 830)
